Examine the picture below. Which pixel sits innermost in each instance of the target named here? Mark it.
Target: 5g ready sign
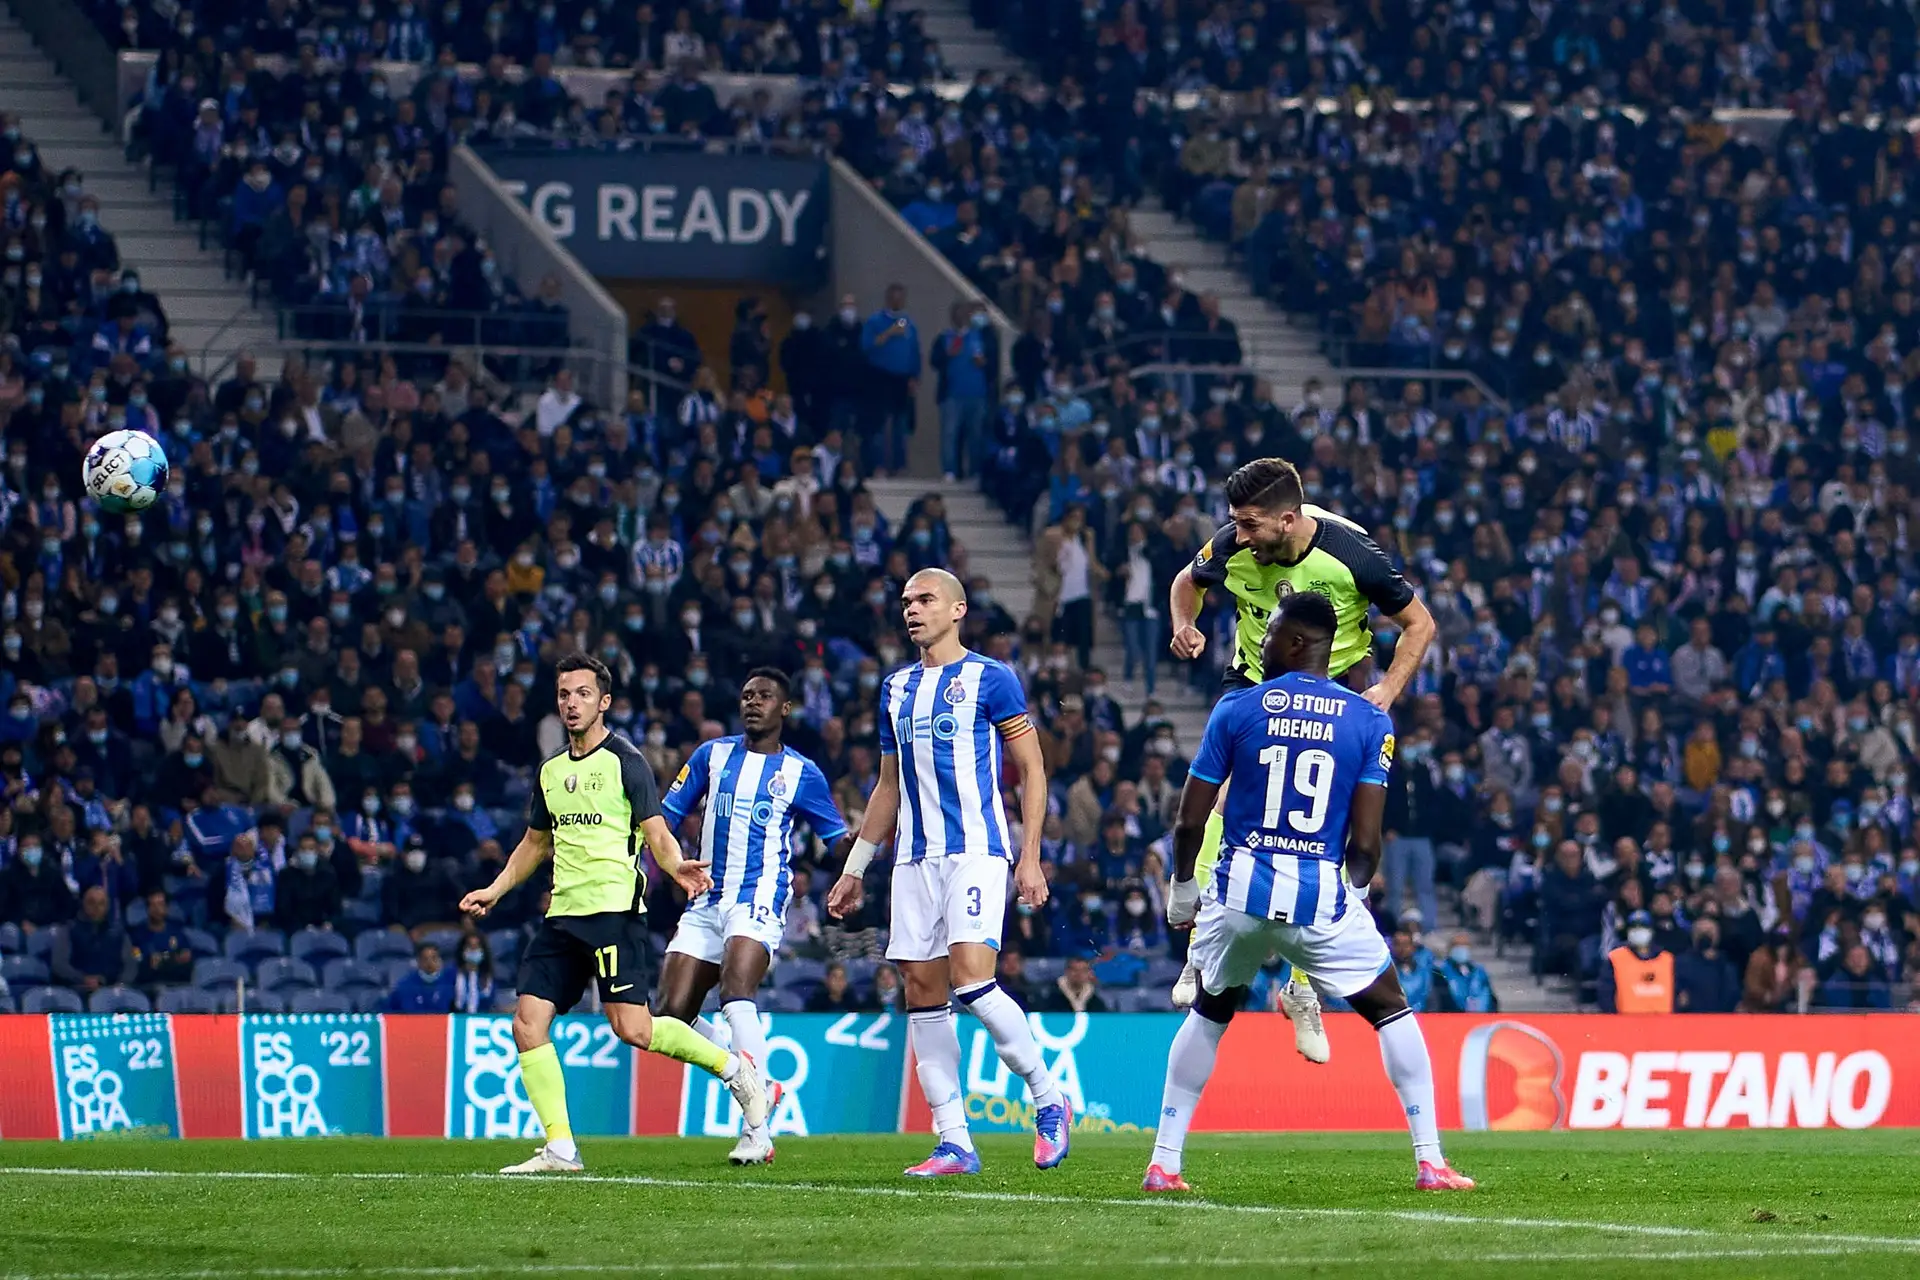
(664, 215)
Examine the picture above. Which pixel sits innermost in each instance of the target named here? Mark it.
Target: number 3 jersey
(752, 800)
(1295, 749)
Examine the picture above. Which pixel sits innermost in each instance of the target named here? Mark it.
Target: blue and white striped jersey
(752, 798)
(945, 724)
(1295, 747)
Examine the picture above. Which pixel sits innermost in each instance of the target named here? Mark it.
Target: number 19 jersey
(1295, 747)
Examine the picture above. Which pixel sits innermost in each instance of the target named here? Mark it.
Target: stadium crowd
(1665, 531)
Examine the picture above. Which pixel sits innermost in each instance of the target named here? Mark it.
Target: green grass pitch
(1730, 1204)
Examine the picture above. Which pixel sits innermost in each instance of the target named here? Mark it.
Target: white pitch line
(1824, 1241)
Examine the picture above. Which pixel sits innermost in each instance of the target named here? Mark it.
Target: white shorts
(1340, 959)
(705, 929)
(941, 901)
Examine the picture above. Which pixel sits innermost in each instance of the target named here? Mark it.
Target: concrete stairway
(967, 49)
(208, 313)
(1285, 355)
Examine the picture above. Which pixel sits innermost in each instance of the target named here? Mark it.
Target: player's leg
(742, 970)
(1350, 959)
(692, 967)
(917, 942)
(620, 961)
(1228, 949)
(554, 971)
(976, 906)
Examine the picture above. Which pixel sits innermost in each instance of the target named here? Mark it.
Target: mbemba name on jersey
(747, 834)
(1295, 747)
(946, 724)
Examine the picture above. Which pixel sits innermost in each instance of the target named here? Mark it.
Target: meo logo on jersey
(1274, 701)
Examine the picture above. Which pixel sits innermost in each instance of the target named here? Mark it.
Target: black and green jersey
(594, 805)
(1342, 563)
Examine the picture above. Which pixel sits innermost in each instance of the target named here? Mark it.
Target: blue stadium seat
(859, 972)
(376, 945)
(369, 999)
(50, 1000)
(318, 946)
(793, 972)
(448, 940)
(227, 1000)
(186, 1000)
(360, 912)
(119, 1000)
(504, 998)
(783, 1002)
(319, 1002)
(1162, 973)
(202, 942)
(1041, 970)
(39, 943)
(22, 971)
(397, 968)
(266, 1002)
(345, 974)
(255, 946)
(506, 944)
(10, 940)
(282, 971)
(7, 1005)
(215, 973)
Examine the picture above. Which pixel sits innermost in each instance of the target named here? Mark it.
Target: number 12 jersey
(1295, 748)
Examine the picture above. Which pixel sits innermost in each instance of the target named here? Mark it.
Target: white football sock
(936, 1060)
(1189, 1065)
(743, 1019)
(710, 1028)
(1012, 1035)
(565, 1148)
(1404, 1050)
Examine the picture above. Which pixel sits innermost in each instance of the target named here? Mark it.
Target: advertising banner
(837, 1074)
(486, 1097)
(677, 215)
(85, 1076)
(114, 1075)
(312, 1075)
(1108, 1065)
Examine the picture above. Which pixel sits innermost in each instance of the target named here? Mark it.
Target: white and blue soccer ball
(125, 471)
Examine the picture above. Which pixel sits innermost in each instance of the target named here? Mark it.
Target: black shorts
(567, 952)
(1359, 677)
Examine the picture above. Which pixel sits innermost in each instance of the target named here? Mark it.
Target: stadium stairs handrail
(1242, 372)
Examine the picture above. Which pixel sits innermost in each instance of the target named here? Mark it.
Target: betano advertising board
(77, 1076)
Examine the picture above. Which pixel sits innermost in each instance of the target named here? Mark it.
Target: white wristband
(1183, 901)
(860, 857)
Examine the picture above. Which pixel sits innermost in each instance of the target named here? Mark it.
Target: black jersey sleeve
(538, 816)
(637, 780)
(1209, 566)
(1373, 573)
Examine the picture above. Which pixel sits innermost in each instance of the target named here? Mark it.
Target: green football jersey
(594, 805)
(1342, 563)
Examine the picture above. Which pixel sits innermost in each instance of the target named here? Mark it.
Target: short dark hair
(585, 662)
(1272, 483)
(1311, 610)
(776, 675)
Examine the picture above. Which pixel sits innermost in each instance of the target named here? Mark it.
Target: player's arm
(643, 797)
(1023, 744)
(876, 828)
(1393, 596)
(1205, 776)
(535, 847)
(813, 800)
(1208, 569)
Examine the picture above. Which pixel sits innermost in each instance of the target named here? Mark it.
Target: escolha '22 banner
(81, 1076)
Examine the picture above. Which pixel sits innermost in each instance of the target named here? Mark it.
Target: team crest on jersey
(956, 694)
(777, 788)
(572, 783)
(1274, 701)
(1386, 752)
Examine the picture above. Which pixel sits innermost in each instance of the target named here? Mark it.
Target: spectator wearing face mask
(416, 895)
(1076, 990)
(473, 976)
(1138, 927)
(427, 988)
(1464, 982)
(308, 893)
(33, 891)
(1704, 978)
(1637, 976)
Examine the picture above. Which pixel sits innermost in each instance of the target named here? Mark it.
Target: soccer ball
(125, 471)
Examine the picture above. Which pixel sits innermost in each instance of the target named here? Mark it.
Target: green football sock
(547, 1090)
(674, 1039)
